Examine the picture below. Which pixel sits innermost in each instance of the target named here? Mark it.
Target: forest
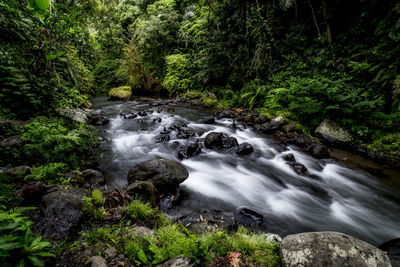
(307, 61)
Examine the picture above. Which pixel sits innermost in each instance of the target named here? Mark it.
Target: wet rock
(333, 133)
(185, 134)
(96, 261)
(249, 218)
(75, 177)
(189, 151)
(298, 168)
(244, 149)
(177, 126)
(146, 191)
(207, 120)
(162, 138)
(15, 140)
(261, 119)
(273, 125)
(289, 128)
(289, 157)
(166, 175)
(320, 151)
(142, 113)
(93, 177)
(101, 121)
(225, 114)
(130, 116)
(207, 221)
(219, 140)
(392, 250)
(158, 120)
(20, 171)
(329, 249)
(76, 115)
(177, 262)
(62, 213)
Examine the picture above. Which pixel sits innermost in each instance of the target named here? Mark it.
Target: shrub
(49, 173)
(94, 205)
(177, 75)
(18, 245)
(48, 141)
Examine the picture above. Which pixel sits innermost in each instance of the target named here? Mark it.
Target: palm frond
(286, 4)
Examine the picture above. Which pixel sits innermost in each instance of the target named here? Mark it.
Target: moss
(143, 212)
(388, 146)
(192, 94)
(208, 101)
(121, 93)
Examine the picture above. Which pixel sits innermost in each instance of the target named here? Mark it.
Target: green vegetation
(48, 174)
(141, 212)
(94, 205)
(121, 93)
(18, 245)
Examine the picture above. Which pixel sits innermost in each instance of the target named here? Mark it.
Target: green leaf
(36, 261)
(44, 254)
(142, 256)
(43, 4)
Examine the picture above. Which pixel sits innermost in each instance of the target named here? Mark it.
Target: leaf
(44, 254)
(142, 256)
(36, 261)
(43, 4)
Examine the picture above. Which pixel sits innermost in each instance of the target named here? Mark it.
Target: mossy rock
(121, 93)
(192, 94)
(208, 102)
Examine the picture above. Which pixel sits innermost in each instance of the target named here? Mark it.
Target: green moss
(193, 94)
(388, 146)
(121, 93)
(94, 205)
(208, 101)
(139, 212)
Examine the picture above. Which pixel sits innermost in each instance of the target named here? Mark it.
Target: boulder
(121, 93)
(320, 151)
(185, 133)
(62, 213)
(15, 140)
(219, 140)
(93, 177)
(244, 149)
(332, 132)
(249, 217)
(19, 171)
(392, 248)
(140, 231)
(289, 157)
(191, 150)
(75, 177)
(146, 191)
(142, 113)
(298, 168)
(162, 138)
(165, 174)
(272, 125)
(207, 120)
(225, 114)
(130, 116)
(76, 115)
(329, 249)
(177, 262)
(96, 261)
(32, 192)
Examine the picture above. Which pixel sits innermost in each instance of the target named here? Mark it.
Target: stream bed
(332, 196)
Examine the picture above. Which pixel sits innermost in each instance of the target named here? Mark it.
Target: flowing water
(330, 197)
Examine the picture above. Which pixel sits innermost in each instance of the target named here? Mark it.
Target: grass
(94, 205)
(143, 212)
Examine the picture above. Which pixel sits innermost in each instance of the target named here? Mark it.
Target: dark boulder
(219, 140)
(189, 151)
(12, 141)
(225, 114)
(142, 113)
(249, 218)
(298, 168)
(130, 116)
(158, 120)
(320, 151)
(392, 250)
(146, 191)
(272, 125)
(20, 171)
(165, 174)
(185, 134)
(289, 157)
(62, 213)
(162, 138)
(93, 177)
(207, 120)
(177, 126)
(244, 149)
(32, 192)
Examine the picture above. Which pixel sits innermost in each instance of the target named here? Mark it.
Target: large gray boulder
(329, 249)
(77, 115)
(165, 174)
(332, 132)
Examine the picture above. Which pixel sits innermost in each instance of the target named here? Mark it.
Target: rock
(333, 133)
(260, 119)
(225, 114)
(249, 217)
(20, 171)
(320, 151)
(121, 93)
(62, 213)
(211, 96)
(15, 140)
(110, 252)
(157, 120)
(185, 134)
(289, 128)
(96, 261)
(273, 125)
(329, 249)
(207, 221)
(244, 149)
(189, 151)
(177, 262)
(75, 177)
(273, 238)
(140, 231)
(93, 177)
(298, 168)
(392, 248)
(207, 120)
(130, 116)
(142, 113)
(219, 140)
(162, 138)
(32, 192)
(177, 126)
(165, 174)
(289, 157)
(146, 191)
(76, 115)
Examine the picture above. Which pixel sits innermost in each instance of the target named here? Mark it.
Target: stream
(333, 196)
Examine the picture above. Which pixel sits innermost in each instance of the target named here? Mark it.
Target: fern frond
(286, 4)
